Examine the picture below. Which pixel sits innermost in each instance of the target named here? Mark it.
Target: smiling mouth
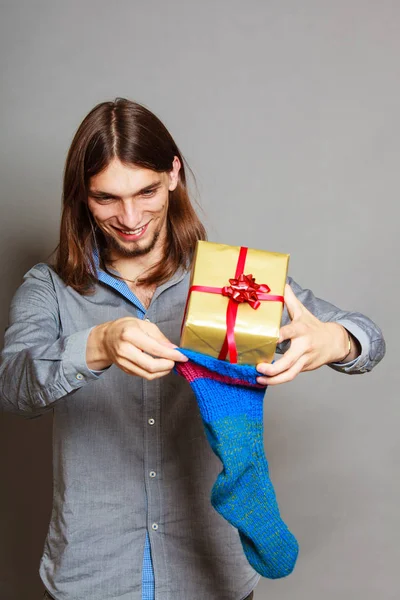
(136, 231)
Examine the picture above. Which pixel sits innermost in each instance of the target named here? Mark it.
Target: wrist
(339, 343)
(96, 353)
(348, 348)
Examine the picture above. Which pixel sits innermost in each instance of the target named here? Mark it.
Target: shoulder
(41, 271)
(44, 274)
(37, 285)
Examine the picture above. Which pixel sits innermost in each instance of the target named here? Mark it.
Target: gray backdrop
(288, 113)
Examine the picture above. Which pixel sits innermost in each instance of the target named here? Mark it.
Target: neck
(135, 267)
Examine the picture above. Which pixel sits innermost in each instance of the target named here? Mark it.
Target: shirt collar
(122, 287)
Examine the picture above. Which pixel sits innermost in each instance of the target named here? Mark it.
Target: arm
(368, 346)
(39, 365)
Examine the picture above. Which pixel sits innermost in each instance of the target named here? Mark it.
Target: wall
(288, 114)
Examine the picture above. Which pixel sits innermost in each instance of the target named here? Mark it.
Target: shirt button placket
(151, 402)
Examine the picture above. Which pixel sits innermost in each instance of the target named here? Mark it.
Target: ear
(174, 174)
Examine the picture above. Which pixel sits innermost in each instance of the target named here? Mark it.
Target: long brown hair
(130, 132)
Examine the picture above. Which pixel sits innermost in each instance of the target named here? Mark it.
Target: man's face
(130, 205)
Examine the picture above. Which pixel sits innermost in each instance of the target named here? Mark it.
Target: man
(93, 337)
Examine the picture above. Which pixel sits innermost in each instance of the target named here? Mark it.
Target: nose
(129, 216)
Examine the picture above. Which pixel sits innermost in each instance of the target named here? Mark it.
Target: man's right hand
(137, 347)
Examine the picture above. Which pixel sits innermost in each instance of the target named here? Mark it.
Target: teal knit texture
(231, 407)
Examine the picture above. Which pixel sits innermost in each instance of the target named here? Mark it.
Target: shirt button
(151, 421)
(154, 526)
(79, 376)
(152, 473)
(148, 320)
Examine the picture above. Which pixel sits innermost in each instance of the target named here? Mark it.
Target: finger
(158, 335)
(284, 377)
(145, 341)
(290, 331)
(155, 332)
(293, 304)
(150, 363)
(144, 360)
(290, 357)
(132, 368)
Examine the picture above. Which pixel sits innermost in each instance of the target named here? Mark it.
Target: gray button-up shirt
(129, 455)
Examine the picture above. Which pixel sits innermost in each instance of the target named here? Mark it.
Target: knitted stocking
(231, 407)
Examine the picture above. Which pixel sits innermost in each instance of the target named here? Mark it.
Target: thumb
(293, 305)
(156, 333)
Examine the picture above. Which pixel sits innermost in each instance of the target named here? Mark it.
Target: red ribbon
(242, 288)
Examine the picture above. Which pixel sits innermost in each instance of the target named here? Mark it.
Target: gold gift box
(256, 330)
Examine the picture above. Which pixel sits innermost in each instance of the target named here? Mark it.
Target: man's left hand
(313, 343)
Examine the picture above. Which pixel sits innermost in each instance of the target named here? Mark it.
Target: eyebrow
(102, 194)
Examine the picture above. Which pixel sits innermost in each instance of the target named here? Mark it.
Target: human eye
(104, 200)
(149, 193)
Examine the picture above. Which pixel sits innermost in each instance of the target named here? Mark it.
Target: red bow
(245, 289)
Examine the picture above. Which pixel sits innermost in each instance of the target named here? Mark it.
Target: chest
(78, 312)
(144, 294)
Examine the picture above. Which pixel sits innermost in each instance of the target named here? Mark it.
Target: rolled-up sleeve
(367, 333)
(39, 365)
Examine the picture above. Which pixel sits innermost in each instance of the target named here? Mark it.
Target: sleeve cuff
(100, 372)
(359, 364)
(75, 368)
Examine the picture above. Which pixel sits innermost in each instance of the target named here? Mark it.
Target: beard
(131, 249)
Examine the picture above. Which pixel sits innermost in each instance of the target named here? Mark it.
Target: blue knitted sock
(231, 406)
